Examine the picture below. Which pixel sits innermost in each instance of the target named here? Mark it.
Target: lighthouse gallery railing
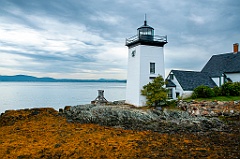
(155, 38)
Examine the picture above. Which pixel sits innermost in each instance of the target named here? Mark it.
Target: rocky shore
(163, 121)
(111, 131)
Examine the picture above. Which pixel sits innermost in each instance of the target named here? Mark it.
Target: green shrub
(171, 103)
(236, 89)
(231, 89)
(217, 91)
(203, 92)
(226, 88)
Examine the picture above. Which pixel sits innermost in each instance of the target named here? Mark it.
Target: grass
(218, 98)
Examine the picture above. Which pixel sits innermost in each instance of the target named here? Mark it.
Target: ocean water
(20, 95)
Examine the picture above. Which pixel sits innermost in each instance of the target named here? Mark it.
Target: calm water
(19, 95)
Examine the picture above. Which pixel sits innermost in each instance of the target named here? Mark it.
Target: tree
(155, 92)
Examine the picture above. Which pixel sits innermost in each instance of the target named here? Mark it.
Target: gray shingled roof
(191, 79)
(223, 63)
(169, 83)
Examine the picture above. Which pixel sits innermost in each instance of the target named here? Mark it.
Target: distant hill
(25, 78)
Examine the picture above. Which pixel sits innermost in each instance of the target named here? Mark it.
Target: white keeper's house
(145, 62)
(221, 68)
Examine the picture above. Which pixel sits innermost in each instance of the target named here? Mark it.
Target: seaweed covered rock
(43, 133)
(11, 116)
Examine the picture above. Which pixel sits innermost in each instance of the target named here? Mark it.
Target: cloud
(72, 47)
(85, 39)
(199, 20)
(106, 18)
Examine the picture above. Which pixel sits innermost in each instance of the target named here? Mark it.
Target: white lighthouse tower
(145, 62)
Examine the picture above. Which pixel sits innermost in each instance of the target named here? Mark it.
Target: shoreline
(46, 133)
(187, 117)
(134, 122)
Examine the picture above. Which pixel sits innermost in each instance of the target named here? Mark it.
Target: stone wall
(210, 108)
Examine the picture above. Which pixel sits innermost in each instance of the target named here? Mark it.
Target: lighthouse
(145, 62)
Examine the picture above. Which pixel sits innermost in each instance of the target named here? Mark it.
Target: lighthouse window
(149, 32)
(146, 31)
(133, 53)
(152, 68)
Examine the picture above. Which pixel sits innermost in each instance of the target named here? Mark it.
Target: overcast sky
(85, 39)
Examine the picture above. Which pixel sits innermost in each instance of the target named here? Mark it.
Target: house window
(170, 93)
(171, 76)
(177, 94)
(152, 68)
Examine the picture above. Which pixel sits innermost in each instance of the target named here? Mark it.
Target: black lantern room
(145, 36)
(145, 32)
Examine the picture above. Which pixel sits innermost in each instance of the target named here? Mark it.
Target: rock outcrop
(139, 119)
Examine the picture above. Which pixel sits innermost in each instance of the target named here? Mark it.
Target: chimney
(235, 48)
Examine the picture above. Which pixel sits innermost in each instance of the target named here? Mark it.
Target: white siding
(235, 77)
(221, 80)
(187, 94)
(133, 75)
(139, 71)
(217, 80)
